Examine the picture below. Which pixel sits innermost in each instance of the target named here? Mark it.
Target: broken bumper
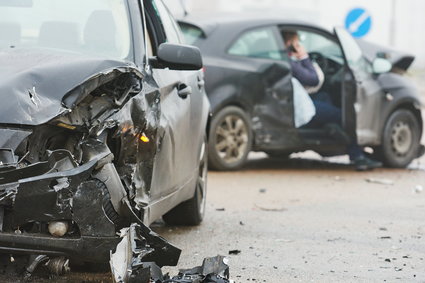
(59, 190)
(50, 191)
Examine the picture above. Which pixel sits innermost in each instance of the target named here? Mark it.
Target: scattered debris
(132, 261)
(383, 229)
(234, 252)
(418, 189)
(386, 182)
(213, 270)
(388, 260)
(339, 179)
(241, 223)
(278, 209)
(263, 191)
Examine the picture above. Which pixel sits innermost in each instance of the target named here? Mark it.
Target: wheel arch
(224, 105)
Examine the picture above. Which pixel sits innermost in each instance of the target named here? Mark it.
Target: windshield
(94, 27)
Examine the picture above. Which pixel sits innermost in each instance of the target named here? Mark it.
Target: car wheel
(400, 140)
(192, 211)
(230, 139)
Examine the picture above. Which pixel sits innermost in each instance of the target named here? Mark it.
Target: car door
(268, 83)
(174, 165)
(366, 94)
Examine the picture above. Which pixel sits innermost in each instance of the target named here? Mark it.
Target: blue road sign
(358, 22)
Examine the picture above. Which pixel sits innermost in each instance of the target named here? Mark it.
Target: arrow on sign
(354, 26)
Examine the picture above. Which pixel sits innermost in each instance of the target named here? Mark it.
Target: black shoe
(364, 164)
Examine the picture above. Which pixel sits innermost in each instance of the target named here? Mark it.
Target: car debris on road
(387, 182)
(131, 262)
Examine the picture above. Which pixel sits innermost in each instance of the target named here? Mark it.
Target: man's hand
(300, 53)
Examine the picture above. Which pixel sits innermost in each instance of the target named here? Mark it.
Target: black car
(248, 82)
(103, 126)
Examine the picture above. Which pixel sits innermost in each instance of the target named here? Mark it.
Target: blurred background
(395, 23)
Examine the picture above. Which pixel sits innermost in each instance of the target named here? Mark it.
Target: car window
(258, 43)
(314, 42)
(96, 27)
(172, 31)
(191, 33)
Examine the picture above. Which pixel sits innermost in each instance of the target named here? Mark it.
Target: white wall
(401, 28)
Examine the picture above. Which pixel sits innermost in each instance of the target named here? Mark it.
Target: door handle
(184, 90)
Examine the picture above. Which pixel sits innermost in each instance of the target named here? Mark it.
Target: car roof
(209, 22)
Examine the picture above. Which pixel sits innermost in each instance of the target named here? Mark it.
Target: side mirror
(177, 57)
(381, 66)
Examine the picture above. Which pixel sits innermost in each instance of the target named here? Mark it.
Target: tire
(192, 211)
(400, 139)
(230, 139)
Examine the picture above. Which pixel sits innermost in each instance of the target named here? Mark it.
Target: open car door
(362, 95)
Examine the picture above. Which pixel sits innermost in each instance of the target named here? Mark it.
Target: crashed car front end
(69, 173)
(68, 184)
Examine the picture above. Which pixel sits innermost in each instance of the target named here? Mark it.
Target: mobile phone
(291, 48)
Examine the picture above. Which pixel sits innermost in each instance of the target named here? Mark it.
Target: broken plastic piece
(380, 181)
(130, 263)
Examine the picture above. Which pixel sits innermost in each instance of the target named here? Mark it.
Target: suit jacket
(304, 72)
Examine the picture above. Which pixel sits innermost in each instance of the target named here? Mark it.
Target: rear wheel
(192, 211)
(400, 140)
(230, 139)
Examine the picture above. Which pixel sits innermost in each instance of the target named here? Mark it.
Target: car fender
(399, 93)
(226, 95)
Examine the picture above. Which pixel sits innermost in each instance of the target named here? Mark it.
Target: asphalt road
(306, 219)
(311, 220)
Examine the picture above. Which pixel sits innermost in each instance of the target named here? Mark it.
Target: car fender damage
(73, 177)
(274, 111)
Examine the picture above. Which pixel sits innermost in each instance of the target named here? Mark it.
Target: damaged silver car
(103, 126)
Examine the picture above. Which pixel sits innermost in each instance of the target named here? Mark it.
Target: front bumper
(59, 190)
(49, 191)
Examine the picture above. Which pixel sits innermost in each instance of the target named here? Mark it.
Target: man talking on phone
(312, 78)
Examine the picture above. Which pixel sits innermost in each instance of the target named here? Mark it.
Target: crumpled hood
(400, 60)
(33, 82)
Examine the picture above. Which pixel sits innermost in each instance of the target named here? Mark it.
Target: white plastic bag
(304, 109)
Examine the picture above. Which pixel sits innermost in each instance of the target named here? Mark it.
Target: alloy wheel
(231, 139)
(401, 138)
